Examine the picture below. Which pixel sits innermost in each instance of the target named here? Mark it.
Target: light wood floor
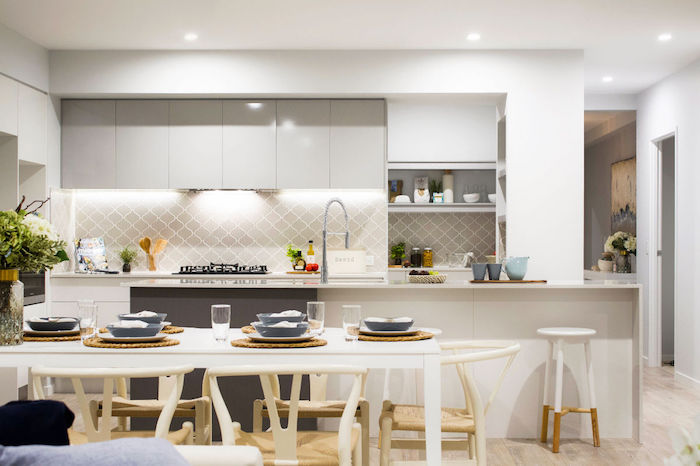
(667, 402)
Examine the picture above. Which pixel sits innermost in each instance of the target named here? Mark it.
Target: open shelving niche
(501, 172)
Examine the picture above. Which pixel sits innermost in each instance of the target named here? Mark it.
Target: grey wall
(598, 157)
(667, 246)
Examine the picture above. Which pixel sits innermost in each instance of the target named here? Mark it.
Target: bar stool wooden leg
(545, 396)
(591, 394)
(558, 387)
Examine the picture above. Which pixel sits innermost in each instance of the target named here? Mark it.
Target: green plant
(398, 251)
(435, 186)
(28, 242)
(292, 253)
(128, 255)
(622, 242)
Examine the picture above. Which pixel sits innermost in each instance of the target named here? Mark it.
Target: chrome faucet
(324, 265)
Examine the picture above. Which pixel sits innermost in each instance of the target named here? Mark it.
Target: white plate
(166, 323)
(259, 338)
(389, 333)
(51, 333)
(112, 339)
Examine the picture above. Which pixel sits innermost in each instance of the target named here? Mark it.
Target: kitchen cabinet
(249, 144)
(195, 141)
(303, 138)
(8, 105)
(357, 144)
(88, 133)
(440, 130)
(142, 144)
(31, 125)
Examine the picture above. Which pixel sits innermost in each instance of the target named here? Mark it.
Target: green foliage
(292, 253)
(22, 249)
(398, 251)
(127, 255)
(435, 186)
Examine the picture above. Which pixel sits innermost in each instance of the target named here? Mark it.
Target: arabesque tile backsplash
(219, 226)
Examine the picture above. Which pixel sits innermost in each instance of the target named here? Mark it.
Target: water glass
(351, 321)
(87, 319)
(220, 321)
(315, 312)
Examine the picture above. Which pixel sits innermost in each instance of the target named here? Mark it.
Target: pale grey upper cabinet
(8, 105)
(250, 152)
(31, 125)
(195, 141)
(142, 144)
(303, 140)
(88, 158)
(357, 144)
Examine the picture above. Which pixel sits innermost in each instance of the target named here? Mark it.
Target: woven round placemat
(421, 335)
(246, 343)
(248, 329)
(97, 342)
(66, 338)
(169, 329)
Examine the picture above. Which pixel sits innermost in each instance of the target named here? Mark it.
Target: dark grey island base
(190, 307)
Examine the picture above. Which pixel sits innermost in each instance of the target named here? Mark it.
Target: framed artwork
(623, 196)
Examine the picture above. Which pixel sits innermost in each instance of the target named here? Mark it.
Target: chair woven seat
(313, 448)
(307, 408)
(148, 408)
(176, 437)
(412, 418)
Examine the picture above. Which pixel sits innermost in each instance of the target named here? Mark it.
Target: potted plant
(398, 252)
(624, 244)
(127, 255)
(294, 255)
(435, 187)
(28, 242)
(605, 263)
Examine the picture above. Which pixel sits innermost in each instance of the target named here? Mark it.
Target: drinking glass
(351, 321)
(315, 312)
(87, 319)
(220, 321)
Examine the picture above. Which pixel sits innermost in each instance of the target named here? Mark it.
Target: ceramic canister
(448, 188)
(516, 267)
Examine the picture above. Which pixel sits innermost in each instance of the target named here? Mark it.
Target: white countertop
(366, 284)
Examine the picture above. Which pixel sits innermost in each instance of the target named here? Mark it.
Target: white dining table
(198, 348)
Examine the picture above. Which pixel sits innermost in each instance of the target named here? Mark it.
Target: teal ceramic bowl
(516, 267)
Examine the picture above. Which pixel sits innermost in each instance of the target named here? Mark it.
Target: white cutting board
(342, 261)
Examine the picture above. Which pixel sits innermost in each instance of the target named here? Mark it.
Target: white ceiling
(618, 36)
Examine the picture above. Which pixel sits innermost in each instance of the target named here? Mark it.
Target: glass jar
(428, 257)
(11, 308)
(416, 258)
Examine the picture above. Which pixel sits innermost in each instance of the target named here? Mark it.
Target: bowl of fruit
(424, 276)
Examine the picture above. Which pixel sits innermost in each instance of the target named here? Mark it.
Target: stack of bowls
(266, 325)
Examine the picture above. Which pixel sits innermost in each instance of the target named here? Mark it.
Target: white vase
(605, 266)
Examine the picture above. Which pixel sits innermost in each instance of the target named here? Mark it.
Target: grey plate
(267, 331)
(267, 318)
(259, 338)
(113, 339)
(388, 326)
(51, 333)
(389, 333)
(46, 325)
(151, 320)
(149, 331)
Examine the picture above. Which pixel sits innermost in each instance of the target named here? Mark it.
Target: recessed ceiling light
(665, 37)
(473, 36)
(190, 36)
(607, 79)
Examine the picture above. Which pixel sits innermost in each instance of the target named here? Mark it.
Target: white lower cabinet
(8, 105)
(303, 138)
(195, 141)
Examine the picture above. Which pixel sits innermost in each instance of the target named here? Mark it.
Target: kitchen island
(463, 311)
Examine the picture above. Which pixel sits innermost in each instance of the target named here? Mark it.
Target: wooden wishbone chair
(287, 446)
(99, 429)
(470, 420)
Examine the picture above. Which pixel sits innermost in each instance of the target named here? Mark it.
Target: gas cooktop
(222, 269)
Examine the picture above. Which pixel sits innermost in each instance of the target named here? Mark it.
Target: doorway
(666, 251)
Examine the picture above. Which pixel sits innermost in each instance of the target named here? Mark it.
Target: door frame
(655, 245)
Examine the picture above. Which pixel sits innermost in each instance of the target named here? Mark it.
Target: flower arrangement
(622, 242)
(686, 445)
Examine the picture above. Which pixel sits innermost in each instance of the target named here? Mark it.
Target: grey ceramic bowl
(267, 331)
(388, 326)
(46, 325)
(150, 331)
(268, 319)
(151, 320)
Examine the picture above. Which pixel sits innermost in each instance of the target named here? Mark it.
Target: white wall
(23, 59)
(544, 104)
(673, 104)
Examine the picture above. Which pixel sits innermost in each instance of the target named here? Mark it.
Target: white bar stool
(557, 337)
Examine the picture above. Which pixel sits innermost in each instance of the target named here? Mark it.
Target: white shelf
(441, 165)
(442, 208)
